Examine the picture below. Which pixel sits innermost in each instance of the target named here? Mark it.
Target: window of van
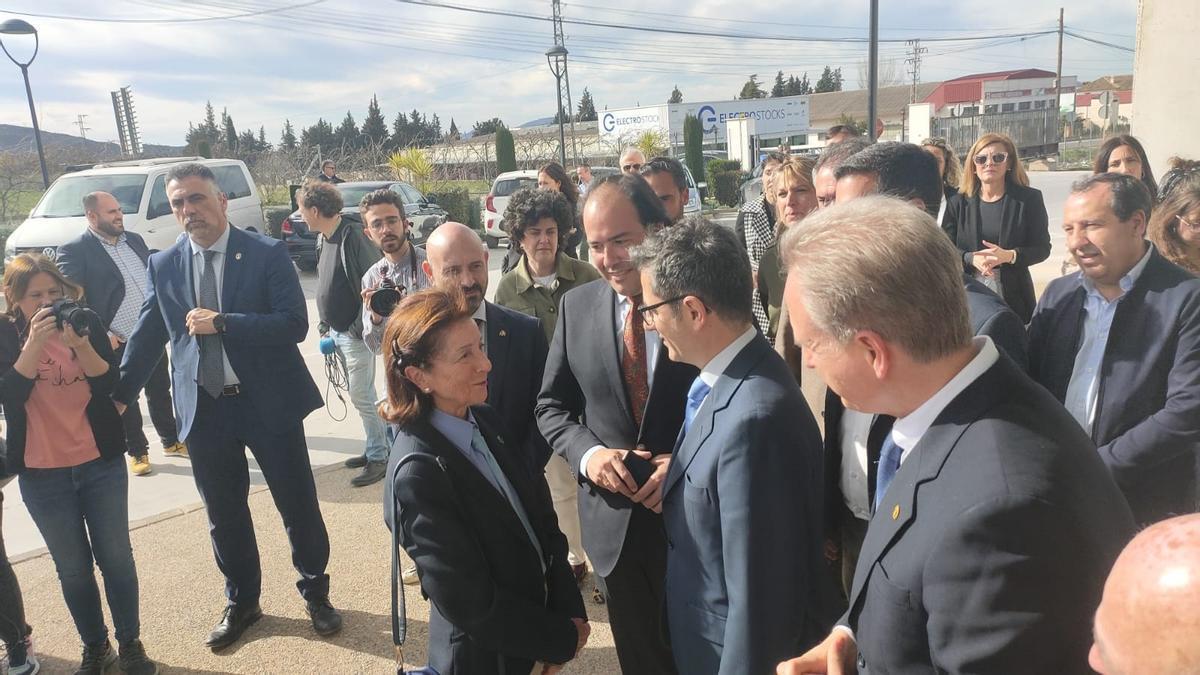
(232, 181)
(64, 199)
(159, 204)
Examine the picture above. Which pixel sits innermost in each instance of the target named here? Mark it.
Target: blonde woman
(999, 222)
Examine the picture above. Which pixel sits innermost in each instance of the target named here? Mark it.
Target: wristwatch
(219, 323)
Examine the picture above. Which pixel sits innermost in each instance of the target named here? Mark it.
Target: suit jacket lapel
(1009, 216)
(610, 334)
(498, 344)
(106, 261)
(518, 476)
(231, 278)
(184, 251)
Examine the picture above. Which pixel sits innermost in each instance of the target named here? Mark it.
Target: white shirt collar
(908, 430)
(219, 245)
(719, 363)
(481, 312)
(1126, 282)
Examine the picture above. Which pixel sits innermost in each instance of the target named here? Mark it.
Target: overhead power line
(99, 19)
(1099, 42)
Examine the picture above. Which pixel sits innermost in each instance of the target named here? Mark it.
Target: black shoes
(356, 462)
(326, 620)
(234, 622)
(134, 660)
(96, 658)
(372, 472)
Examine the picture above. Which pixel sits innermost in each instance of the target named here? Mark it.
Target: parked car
(694, 205)
(140, 188)
(494, 204)
(422, 212)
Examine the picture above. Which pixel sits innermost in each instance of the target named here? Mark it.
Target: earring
(427, 391)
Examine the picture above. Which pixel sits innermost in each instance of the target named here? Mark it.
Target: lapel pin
(895, 512)
(503, 333)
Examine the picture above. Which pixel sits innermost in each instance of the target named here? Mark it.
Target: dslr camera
(386, 297)
(67, 312)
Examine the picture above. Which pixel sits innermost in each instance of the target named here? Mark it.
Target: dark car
(422, 212)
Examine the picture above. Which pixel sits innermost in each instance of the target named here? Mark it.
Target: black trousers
(222, 430)
(162, 412)
(635, 590)
(13, 628)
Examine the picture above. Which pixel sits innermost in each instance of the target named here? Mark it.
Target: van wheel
(492, 242)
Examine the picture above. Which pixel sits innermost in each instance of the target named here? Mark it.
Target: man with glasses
(329, 173)
(746, 583)
(632, 161)
(612, 406)
(346, 255)
(1119, 344)
(669, 181)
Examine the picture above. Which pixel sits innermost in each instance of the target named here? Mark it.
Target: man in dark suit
(609, 391)
(1119, 344)
(231, 305)
(742, 498)
(110, 264)
(995, 522)
(515, 343)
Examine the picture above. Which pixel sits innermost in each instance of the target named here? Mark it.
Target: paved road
(170, 488)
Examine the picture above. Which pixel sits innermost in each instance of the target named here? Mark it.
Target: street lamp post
(557, 58)
(19, 27)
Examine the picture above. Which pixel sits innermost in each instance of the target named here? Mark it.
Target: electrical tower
(565, 106)
(131, 143)
(914, 66)
(81, 122)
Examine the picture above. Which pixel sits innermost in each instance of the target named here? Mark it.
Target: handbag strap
(399, 611)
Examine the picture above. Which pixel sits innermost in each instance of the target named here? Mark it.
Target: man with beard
(110, 264)
(668, 179)
(514, 342)
(346, 255)
(231, 305)
(402, 263)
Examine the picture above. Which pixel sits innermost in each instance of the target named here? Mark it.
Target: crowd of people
(843, 435)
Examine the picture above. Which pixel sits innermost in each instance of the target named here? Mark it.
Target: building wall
(1164, 81)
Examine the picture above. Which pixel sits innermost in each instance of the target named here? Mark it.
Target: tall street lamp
(19, 27)
(557, 58)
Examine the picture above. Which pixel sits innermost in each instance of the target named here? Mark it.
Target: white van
(140, 187)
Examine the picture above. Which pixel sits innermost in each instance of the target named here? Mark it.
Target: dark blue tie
(889, 464)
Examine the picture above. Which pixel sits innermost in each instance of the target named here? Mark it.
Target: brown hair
(952, 174)
(320, 195)
(1125, 140)
(1015, 173)
(412, 338)
(565, 185)
(1163, 229)
(22, 270)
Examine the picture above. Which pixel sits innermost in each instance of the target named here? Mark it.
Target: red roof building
(1003, 91)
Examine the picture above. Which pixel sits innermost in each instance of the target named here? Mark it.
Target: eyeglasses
(650, 309)
(997, 158)
(1194, 227)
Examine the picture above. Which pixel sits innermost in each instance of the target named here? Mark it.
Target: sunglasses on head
(997, 158)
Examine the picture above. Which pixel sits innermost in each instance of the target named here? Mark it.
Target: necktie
(696, 394)
(889, 464)
(500, 482)
(212, 363)
(633, 362)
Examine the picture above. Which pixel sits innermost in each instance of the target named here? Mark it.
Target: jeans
(13, 628)
(360, 367)
(83, 511)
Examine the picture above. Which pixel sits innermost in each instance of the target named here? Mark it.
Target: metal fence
(1035, 132)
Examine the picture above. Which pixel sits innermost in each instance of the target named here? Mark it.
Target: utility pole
(565, 106)
(81, 122)
(914, 69)
(1058, 82)
(873, 73)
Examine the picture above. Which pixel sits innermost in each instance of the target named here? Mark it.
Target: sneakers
(176, 449)
(96, 658)
(134, 660)
(373, 472)
(409, 576)
(140, 465)
(21, 660)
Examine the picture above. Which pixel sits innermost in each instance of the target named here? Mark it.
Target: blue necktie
(889, 464)
(696, 394)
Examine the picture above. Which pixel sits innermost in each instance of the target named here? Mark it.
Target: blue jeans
(360, 367)
(83, 511)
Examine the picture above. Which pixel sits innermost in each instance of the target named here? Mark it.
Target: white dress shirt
(855, 430)
(219, 247)
(480, 317)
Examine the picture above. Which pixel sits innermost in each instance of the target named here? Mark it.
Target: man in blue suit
(741, 501)
(231, 305)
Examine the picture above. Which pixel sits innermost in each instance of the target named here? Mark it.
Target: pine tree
(375, 126)
(435, 129)
(676, 95)
(805, 87)
(752, 89)
(346, 136)
(209, 127)
(587, 108)
(231, 134)
(401, 136)
(453, 135)
(262, 139)
(488, 126)
(288, 140)
(827, 82)
(837, 79)
(780, 89)
(319, 136)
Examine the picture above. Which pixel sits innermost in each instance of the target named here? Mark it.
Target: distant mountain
(539, 122)
(73, 148)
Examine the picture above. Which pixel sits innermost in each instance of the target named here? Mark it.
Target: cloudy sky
(271, 60)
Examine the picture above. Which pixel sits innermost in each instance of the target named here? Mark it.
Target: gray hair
(833, 155)
(883, 265)
(193, 170)
(1128, 194)
(631, 149)
(697, 257)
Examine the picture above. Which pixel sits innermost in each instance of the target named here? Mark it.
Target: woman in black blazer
(999, 222)
(473, 514)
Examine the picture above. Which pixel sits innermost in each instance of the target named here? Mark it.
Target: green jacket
(517, 290)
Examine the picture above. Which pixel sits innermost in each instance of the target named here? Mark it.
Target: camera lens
(384, 300)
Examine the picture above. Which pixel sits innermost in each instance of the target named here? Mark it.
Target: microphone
(327, 346)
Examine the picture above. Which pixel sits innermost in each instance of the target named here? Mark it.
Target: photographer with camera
(345, 257)
(398, 273)
(65, 444)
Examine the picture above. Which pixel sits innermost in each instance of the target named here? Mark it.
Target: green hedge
(723, 186)
(462, 207)
(275, 216)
